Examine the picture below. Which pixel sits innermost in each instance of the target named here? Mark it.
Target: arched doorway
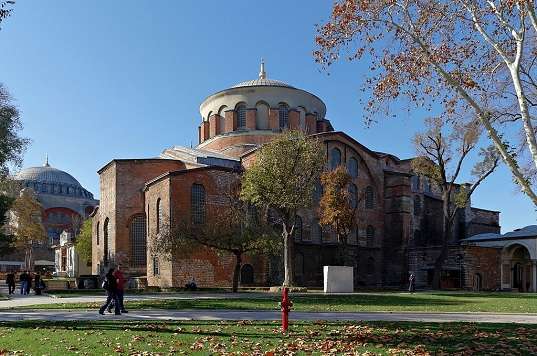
(518, 258)
(247, 274)
(478, 283)
(518, 272)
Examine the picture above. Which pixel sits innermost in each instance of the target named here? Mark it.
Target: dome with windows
(50, 180)
(265, 92)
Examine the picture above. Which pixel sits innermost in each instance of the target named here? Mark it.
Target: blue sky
(98, 80)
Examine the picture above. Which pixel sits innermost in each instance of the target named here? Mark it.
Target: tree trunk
(446, 228)
(342, 252)
(237, 271)
(288, 265)
(28, 259)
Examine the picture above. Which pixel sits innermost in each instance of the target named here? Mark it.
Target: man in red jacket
(120, 289)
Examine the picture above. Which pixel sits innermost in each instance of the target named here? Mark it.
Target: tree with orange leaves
(474, 58)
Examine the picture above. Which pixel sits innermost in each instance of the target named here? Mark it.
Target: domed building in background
(65, 202)
(397, 225)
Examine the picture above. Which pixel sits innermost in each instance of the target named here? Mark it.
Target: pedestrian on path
(10, 281)
(29, 283)
(110, 285)
(23, 279)
(120, 279)
(412, 283)
(38, 284)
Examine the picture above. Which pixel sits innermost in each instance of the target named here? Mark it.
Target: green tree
(473, 58)
(235, 227)
(27, 225)
(442, 150)
(283, 179)
(83, 241)
(338, 208)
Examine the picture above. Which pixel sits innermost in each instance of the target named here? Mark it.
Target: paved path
(18, 300)
(59, 315)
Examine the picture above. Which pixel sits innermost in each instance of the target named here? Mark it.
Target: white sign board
(338, 279)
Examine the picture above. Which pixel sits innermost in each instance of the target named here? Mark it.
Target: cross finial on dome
(262, 73)
(46, 161)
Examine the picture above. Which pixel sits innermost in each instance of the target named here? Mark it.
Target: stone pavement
(18, 300)
(74, 315)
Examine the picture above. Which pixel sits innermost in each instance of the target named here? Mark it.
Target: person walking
(23, 278)
(412, 283)
(120, 279)
(38, 284)
(10, 281)
(110, 285)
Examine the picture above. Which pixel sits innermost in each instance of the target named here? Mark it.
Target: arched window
(247, 274)
(106, 241)
(298, 228)
(369, 198)
(138, 241)
(98, 233)
(335, 158)
(158, 210)
(353, 195)
(417, 205)
(370, 235)
(352, 167)
(241, 116)
(283, 110)
(197, 204)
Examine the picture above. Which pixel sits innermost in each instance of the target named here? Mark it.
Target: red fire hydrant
(285, 305)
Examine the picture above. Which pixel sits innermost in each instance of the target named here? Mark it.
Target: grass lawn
(424, 302)
(264, 338)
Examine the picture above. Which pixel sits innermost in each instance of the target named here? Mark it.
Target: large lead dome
(47, 174)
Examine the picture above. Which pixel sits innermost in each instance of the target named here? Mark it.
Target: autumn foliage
(469, 59)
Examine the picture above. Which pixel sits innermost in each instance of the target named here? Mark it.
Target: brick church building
(398, 222)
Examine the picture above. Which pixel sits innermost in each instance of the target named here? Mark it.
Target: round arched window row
(283, 113)
(137, 232)
(335, 158)
(352, 167)
(369, 198)
(241, 116)
(197, 202)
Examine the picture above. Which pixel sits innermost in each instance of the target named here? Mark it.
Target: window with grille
(370, 235)
(298, 228)
(159, 215)
(353, 195)
(156, 267)
(335, 158)
(369, 198)
(353, 167)
(138, 241)
(106, 241)
(198, 204)
(283, 110)
(417, 205)
(241, 116)
(98, 233)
